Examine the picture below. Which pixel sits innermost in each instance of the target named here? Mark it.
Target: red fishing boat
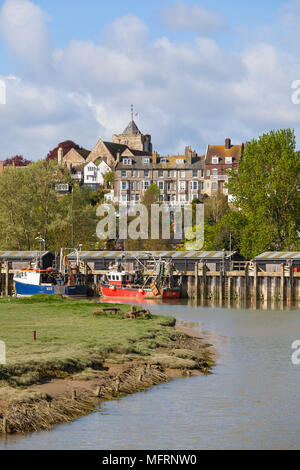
(121, 284)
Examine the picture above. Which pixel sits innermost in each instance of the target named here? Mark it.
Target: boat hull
(27, 290)
(136, 293)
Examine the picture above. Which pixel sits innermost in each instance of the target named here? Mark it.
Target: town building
(218, 160)
(180, 178)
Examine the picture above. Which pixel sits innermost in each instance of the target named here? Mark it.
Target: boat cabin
(119, 278)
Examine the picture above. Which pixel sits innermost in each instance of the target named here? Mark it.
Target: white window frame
(215, 160)
(228, 160)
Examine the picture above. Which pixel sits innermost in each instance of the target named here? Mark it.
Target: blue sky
(196, 71)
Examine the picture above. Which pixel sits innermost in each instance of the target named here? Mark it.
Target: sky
(195, 71)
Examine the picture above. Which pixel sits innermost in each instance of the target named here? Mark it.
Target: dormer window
(215, 160)
(163, 160)
(228, 160)
(146, 161)
(127, 161)
(179, 161)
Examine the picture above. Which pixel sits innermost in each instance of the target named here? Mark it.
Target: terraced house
(180, 178)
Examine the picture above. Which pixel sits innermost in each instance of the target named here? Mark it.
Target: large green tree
(266, 190)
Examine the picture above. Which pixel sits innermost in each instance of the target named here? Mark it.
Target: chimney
(155, 156)
(60, 154)
(227, 144)
(188, 155)
(118, 157)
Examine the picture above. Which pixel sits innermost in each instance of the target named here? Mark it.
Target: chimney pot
(227, 143)
(60, 155)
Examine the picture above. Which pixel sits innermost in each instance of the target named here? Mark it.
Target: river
(251, 401)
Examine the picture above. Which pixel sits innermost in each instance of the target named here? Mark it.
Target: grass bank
(78, 359)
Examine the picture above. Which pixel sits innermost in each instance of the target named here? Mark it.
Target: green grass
(68, 332)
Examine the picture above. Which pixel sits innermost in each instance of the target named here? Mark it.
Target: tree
(266, 190)
(215, 207)
(29, 204)
(151, 196)
(17, 160)
(109, 178)
(67, 145)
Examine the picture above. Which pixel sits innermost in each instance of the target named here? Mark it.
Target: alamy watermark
(2, 353)
(161, 222)
(2, 92)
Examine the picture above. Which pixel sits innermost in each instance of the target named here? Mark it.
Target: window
(127, 161)
(169, 173)
(146, 173)
(194, 185)
(146, 161)
(202, 186)
(202, 173)
(215, 173)
(182, 173)
(182, 185)
(214, 186)
(228, 160)
(137, 185)
(132, 197)
(161, 184)
(215, 160)
(163, 160)
(160, 173)
(208, 172)
(180, 161)
(123, 185)
(137, 197)
(123, 173)
(146, 185)
(124, 197)
(90, 168)
(132, 173)
(195, 173)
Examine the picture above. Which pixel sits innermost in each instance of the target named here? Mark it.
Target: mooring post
(34, 335)
(282, 281)
(204, 282)
(246, 280)
(196, 280)
(255, 282)
(291, 283)
(7, 278)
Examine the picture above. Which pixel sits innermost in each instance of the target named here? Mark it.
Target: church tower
(133, 138)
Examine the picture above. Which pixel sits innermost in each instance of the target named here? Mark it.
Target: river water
(251, 401)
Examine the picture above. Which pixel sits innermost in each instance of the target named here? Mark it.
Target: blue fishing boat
(35, 281)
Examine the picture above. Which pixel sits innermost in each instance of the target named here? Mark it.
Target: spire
(132, 128)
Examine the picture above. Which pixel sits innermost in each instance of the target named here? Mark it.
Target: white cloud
(23, 26)
(186, 92)
(184, 17)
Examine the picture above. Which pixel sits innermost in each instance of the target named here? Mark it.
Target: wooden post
(5, 427)
(255, 291)
(282, 283)
(7, 278)
(246, 290)
(204, 282)
(196, 288)
(98, 391)
(221, 278)
(291, 283)
(74, 394)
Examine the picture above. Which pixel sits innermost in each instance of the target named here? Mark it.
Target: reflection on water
(251, 400)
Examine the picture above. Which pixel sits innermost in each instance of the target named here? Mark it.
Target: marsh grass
(69, 338)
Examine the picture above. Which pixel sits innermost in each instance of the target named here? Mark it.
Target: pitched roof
(220, 151)
(131, 129)
(138, 163)
(84, 153)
